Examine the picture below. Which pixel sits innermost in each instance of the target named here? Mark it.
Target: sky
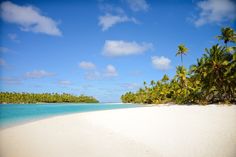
(103, 48)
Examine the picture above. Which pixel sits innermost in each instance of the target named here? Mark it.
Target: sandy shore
(166, 131)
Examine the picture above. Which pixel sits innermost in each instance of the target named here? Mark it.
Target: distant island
(26, 98)
(211, 80)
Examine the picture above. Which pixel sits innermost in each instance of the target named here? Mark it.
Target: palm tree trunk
(182, 60)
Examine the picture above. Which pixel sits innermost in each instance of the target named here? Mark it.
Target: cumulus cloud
(113, 15)
(29, 18)
(161, 63)
(116, 48)
(64, 83)
(215, 11)
(110, 71)
(109, 20)
(138, 5)
(87, 65)
(38, 74)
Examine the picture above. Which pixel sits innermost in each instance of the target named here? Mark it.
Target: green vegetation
(6, 97)
(182, 50)
(211, 80)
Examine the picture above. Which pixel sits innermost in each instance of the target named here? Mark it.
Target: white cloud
(110, 71)
(215, 11)
(161, 63)
(92, 73)
(108, 20)
(87, 65)
(122, 48)
(2, 62)
(29, 18)
(4, 49)
(138, 5)
(113, 15)
(39, 74)
(64, 83)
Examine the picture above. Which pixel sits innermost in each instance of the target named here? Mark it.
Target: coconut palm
(182, 50)
(152, 83)
(227, 35)
(181, 76)
(165, 78)
(212, 70)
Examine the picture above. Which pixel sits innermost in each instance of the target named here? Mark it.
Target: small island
(26, 98)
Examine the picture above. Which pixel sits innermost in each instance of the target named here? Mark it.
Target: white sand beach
(165, 131)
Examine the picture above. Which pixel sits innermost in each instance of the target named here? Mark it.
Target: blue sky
(103, 48)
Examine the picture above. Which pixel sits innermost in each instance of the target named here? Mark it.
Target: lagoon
(12, 114)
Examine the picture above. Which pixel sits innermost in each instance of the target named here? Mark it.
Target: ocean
(13, 114)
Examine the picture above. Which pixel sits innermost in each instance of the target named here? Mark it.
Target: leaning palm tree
(227, 35)
(181, 50)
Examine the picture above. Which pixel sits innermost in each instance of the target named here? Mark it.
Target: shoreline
(38, 103)
(52, 116)
(75, 113)
(173, 131)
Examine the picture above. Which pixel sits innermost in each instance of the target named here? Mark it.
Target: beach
(156, 131)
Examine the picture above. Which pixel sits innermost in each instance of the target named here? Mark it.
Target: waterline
(13, 114)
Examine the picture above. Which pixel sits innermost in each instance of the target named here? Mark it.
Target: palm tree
(211, 80)
(144, 83)
(152, 83)
(181, 76)
(228, 35)
(214, 72)
(165, 78)
(181, 50)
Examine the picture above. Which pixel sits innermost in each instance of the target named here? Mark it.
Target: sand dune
(166, 131)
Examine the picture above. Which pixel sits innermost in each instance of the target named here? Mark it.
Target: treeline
(211, 80)
(7, 97)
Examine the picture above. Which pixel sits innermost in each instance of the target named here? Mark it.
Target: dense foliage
(6, 97)
(211, 80)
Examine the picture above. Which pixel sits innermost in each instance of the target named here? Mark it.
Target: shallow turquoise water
(12, 114)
